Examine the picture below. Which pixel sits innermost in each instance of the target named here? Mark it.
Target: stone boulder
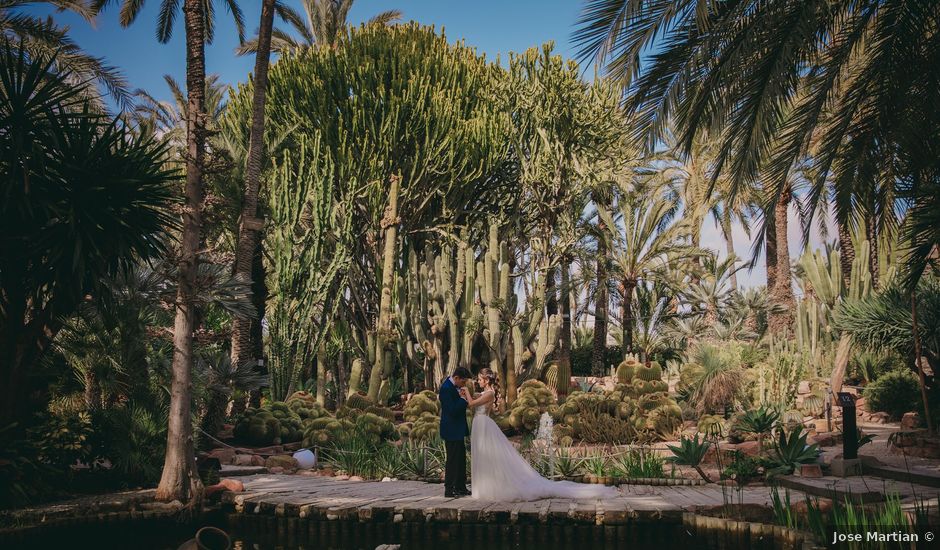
(225, 455)
(916, 443)
(910, 421)
(286, 462)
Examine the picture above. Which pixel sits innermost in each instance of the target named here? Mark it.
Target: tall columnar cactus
(497, 299)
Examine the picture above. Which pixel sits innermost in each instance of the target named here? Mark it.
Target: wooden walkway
(325, 498)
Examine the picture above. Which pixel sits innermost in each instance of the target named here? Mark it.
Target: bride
(498, 471)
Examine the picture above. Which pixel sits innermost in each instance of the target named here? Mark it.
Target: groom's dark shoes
(457, 493)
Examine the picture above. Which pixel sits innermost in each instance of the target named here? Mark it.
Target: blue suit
(454, 430)
(453, 413)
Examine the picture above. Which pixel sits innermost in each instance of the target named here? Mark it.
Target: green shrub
(581, 360)
(895, 393)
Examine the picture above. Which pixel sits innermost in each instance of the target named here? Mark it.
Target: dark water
(260, 532)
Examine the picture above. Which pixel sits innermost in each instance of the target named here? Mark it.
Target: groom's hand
(465, 394)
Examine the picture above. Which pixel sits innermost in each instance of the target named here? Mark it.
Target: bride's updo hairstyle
(492, 382)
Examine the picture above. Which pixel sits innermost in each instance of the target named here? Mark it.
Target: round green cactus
(359, 401)
(420, 403)
(384, 412)
(651, 372)
(711, 425)
(626, 370)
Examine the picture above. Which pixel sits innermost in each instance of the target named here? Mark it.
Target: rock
(275, 470)
(826, 439)
(257, 460)
(860, 404)
(356, 478)
(232, 485)
(343, 477)
(878, 418)
(810, 470)
(749, 448)
(803, 387)
(225, 455)
(286, 462)
(244, 460)
(910, 421)
(799, 507)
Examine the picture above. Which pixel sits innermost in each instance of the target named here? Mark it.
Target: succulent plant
(711, 425)
(626, 370)
(359, 401)
(420, 403)
(383, 412)
(534, 399)
(653, 371)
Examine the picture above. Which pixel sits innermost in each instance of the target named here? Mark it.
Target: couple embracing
(498, 471)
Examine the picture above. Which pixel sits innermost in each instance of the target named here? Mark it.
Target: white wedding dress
(498, 472)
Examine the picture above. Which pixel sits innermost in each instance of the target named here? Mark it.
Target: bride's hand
(464, 394)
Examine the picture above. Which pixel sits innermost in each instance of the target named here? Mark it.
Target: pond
(267, 532)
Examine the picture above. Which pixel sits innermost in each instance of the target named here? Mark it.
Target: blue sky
(495, 28)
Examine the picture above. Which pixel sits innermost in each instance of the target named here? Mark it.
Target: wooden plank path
(327, 498)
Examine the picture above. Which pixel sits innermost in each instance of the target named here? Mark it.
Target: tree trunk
(180, 481)
(780, 322)
(871, 232)
(770, 253)
(846, 253)
(92, 391)
(321, 375)
(626, 315)
(726, 230)
(843, 352)
(551, 295)
(259, 297)
(249, 224)
(601, 305)
(383, 360)
(915, 332)
(339, 376)
(564, 347)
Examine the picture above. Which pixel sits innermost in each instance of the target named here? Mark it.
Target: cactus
(650, 372)
(383, 412)
(359, 401)
(275, 423)
(813, 404)
(420, 403)
(625, 371)
(666, 419)
(534, 399)
(425, 428)
(711, 425)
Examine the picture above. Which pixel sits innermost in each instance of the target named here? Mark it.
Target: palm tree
(853, 83)
(323, 23)
(42, 37)
(180, 480)
(84, 199)
(649, 244)
(712, 292)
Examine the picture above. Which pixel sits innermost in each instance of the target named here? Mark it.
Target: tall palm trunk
(601, 305)
(781, 294)
(770, 253)
(846, 252)
(628, 286)
(249, 225)
(180, 480)
(564, 347)
(729, 248)
(871, 232)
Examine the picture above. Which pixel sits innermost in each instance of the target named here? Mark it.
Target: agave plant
(760, 421)
(690, 452)
(790, 450)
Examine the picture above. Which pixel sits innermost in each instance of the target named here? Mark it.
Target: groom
(453, 431)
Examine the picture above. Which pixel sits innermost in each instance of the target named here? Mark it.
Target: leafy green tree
(180, 480)
(646, 242)
(84, 199)
(852, 83)
(413, 133)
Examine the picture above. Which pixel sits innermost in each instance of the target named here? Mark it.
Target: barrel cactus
(420, 403)
(813, 404)
(258, 427)
(665, 419)
(359, 401)
(653, 371)
(626, 370)
(425, 428)
(711, 425)
(534, 399)
(375, 427)
(384, 412)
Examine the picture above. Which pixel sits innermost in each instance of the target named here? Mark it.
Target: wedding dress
(498, 472)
